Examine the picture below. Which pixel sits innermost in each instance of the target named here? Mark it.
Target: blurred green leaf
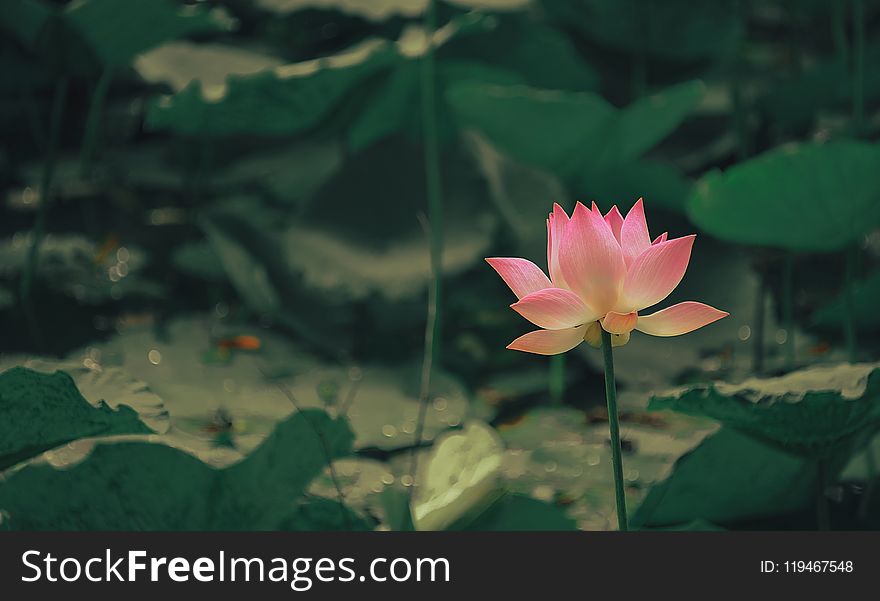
(91, 34)
(143, 486)
(199, 260)
(518, 513)
(833, 187)
(659, 183)
(181, 63)
(567, 132)
(41, 411)
(866, 300)
(793, 103)
(729, 477)
(543, 56)
(248, 276)
(324, 515)
(812, 412)
(117, 36)
(288, 99)
(24, 19)
(279, 101)
(254, 261)
(395, 106)
(374, 10)
(702, 30)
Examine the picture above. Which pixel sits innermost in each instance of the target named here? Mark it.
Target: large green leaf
(567, 132)
(287, 99)
(143, 486)
(673, 29)
(809, 412)
(729, 478)
(280, 101)
(41, 411)
(99, 32)
(118, 35)
(809, 197)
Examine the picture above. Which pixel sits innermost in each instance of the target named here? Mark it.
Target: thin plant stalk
(858, 78)
(59, 98)
(434, 226)
(849, 317)
(557, 378)
(427, 370)
(614, 429)
(434, 184)
(788, 308)
(93, 122)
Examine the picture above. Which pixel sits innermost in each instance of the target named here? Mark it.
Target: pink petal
(556, 226)
(620, 323)
(634, 238)
(661, 238)
(523, 276)
(554, 309)
(549, 342)
(679, 319)
(615, 220)
(655, 274)
(590, 260)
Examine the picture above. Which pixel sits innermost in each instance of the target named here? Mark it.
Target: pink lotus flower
(603, 272)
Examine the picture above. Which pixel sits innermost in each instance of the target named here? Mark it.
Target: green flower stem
(788, 308)
(849, 317)
(614, 428)
(59, 97)
(434, 227)
(557, 378)
(858, 80)
(93, 122)
(432, 168)
(823, 515)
